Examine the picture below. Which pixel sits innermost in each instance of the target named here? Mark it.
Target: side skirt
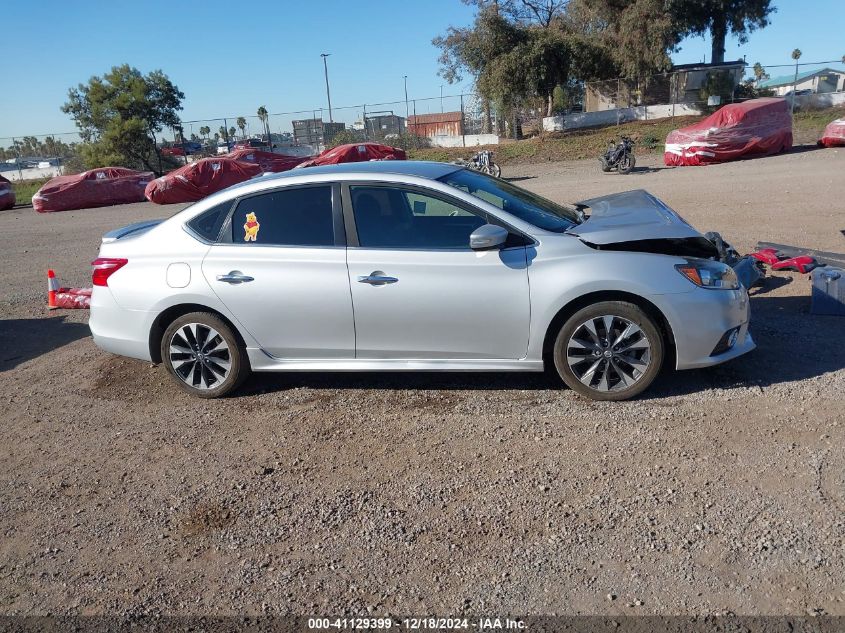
(261, 361)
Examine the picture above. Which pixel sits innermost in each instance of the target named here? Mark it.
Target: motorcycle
(483, 162)
(619, 156)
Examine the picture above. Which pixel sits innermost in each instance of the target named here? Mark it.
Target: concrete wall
(32, 173)
(612, 117)
(472, 140)
(820, 100)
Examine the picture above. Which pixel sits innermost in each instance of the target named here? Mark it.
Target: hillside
(649, 137)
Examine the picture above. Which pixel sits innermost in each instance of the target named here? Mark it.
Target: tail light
(105, 267)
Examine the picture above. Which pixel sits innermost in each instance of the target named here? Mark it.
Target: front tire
(204, 356)
(612, 350)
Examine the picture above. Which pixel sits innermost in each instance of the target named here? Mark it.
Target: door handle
(235, 277)
(377, 278)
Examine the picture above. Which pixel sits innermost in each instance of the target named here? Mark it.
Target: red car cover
(834, 134)
(101, 187)
(200, 179)
(266, 160)
(7, 194)
(753, 128)
(356, 153)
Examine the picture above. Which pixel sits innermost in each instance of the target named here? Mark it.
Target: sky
(229, 58)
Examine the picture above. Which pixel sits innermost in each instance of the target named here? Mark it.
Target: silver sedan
(418, 266)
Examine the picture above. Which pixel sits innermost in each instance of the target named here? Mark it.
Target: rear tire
(612, 350)
(203, 355)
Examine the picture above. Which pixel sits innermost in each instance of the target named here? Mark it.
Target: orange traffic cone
(52, 289)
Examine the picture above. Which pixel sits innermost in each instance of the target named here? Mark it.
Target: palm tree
(796, 54)
(242, 126)
(264, 117)
(760, 73)
(224, 134)
(232, 132)
(205, 131)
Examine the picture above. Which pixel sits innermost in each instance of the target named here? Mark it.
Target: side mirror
(488, 236)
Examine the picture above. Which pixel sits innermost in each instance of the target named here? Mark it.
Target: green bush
(25, 189)
(649, 141)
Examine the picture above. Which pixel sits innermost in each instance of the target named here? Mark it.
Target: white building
(816, 81)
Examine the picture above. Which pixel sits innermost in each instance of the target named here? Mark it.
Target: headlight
(708, 274)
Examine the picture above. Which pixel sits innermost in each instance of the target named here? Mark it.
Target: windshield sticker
(251, 228)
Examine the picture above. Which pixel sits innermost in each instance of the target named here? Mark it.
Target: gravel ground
(721, 490)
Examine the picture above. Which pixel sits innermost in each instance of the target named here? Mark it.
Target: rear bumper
(118, 330)
(699, 319)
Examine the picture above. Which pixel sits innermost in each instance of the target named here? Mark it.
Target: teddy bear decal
(251, 228)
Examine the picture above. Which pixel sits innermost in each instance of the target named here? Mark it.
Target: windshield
(525, 205)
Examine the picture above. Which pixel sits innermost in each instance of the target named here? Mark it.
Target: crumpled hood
(630, 216)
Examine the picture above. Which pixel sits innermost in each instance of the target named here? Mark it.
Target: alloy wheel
(608, 353)
(200, 356)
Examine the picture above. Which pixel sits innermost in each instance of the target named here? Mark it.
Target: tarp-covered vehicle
(196, 181)
(834, 134)
(268, 161)
(101, 187)
(356, 153)
(7, 194)
(758, 127)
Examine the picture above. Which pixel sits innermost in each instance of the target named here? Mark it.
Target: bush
(649, 141)
(718, 83)
(345, 137)
(408, 141)
(25, 189)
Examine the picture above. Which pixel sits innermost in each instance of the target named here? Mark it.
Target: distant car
(7, 194)
(757, 127)
(101, 187)
(250, 143)
(181, 149)
(447, 269)
(199, 179)
(355, 153)
(834, 134)
(799, 93)
(224, 147)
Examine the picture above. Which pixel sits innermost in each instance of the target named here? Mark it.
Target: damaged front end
(637, 221)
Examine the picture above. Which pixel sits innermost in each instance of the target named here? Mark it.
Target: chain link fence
(454, 120)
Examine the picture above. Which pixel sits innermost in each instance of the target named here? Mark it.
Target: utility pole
(328, 94)
(407, 111)
(441, 98)
(796, 55)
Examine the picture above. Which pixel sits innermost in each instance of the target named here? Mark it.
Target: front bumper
(699, 319)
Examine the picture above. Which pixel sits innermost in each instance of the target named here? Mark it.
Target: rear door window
(300, 216)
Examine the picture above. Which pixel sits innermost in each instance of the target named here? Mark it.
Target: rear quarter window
(208, 224)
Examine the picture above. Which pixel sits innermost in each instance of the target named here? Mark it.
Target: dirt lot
(721, 491)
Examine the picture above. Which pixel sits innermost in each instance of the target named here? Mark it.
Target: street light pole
(407, 111)
(328, 94)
